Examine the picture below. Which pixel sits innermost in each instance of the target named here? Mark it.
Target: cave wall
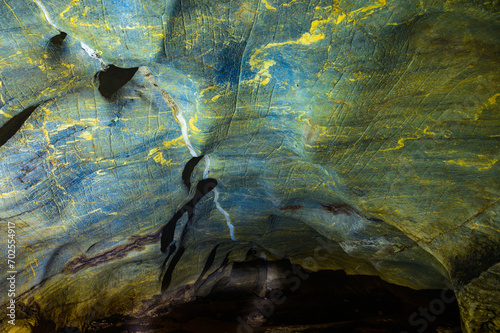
(372, 124)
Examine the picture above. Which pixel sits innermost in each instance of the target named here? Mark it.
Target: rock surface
(370, 126)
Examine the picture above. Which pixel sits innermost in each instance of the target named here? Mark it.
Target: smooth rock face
(359, 136)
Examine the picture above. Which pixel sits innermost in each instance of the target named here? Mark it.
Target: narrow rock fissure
(168, 244)
(188, 170)
(10, 128)
(178, 114)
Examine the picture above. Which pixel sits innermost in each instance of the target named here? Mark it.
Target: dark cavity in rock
(188, 170)
(203, 187)
(10, 128)
(57, 40)
(113, 78)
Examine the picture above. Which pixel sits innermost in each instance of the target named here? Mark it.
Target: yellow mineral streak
(493, 99)
(262, 65)
(428, 131)
(203, 91)
(3, 113)
(172, 143)
(17, 18)
(191, 124)
(149, 29)
(74, 21)
(87, 136)
(481, 226)
(482, 163)
(268, 6)
(32, 270)
(380, 3)
(401, 143)
(8, 194)
(158, 158)
(71, 4)
(315, 34)
(153, 151)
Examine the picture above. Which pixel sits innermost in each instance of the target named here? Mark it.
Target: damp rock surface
(349, 135)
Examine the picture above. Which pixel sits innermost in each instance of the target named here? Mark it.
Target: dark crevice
(56, 48)
(168, 274)
(12, 126)
(138, 243)
(167, 237)
(203, 187)
(188, 170)
(57, 40)
(167, 233)
(113, 78)
(209, 262)
(482, 253)
(218, 277)
(339, 208)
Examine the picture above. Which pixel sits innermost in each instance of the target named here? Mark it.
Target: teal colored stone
(372, 124)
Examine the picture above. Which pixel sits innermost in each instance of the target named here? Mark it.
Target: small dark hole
(113, 78)
(10, 128)
(57, 40)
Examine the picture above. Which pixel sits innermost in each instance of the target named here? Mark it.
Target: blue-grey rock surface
(372, 124)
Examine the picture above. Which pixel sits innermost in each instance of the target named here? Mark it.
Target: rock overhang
(372, 125)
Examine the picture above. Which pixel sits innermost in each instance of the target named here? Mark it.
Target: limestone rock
(369, 125)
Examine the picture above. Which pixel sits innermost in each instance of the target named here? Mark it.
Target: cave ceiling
(142, 140)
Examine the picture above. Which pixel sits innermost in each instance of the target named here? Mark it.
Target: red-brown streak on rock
(293, 208)
(138, 244)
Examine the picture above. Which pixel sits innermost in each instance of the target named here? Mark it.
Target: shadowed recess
(12, 126)
(167, 278)
(209, 261)
(113, 78)
(203, 187)
(248, 299)
(188, 170)
(57, 40)
(483, 255)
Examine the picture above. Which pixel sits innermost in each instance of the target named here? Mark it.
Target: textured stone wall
(373, 124)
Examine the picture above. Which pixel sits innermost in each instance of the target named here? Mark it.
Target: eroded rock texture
(371, 126)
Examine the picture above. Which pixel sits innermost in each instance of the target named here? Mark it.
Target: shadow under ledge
(248, 301)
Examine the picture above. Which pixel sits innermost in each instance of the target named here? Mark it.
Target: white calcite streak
(93, 54)
(185, 136)
(216, 198)
(47, 17)
(183, 124)
(90, 51)
(184, 131)
(228, 220)
(207, 166)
